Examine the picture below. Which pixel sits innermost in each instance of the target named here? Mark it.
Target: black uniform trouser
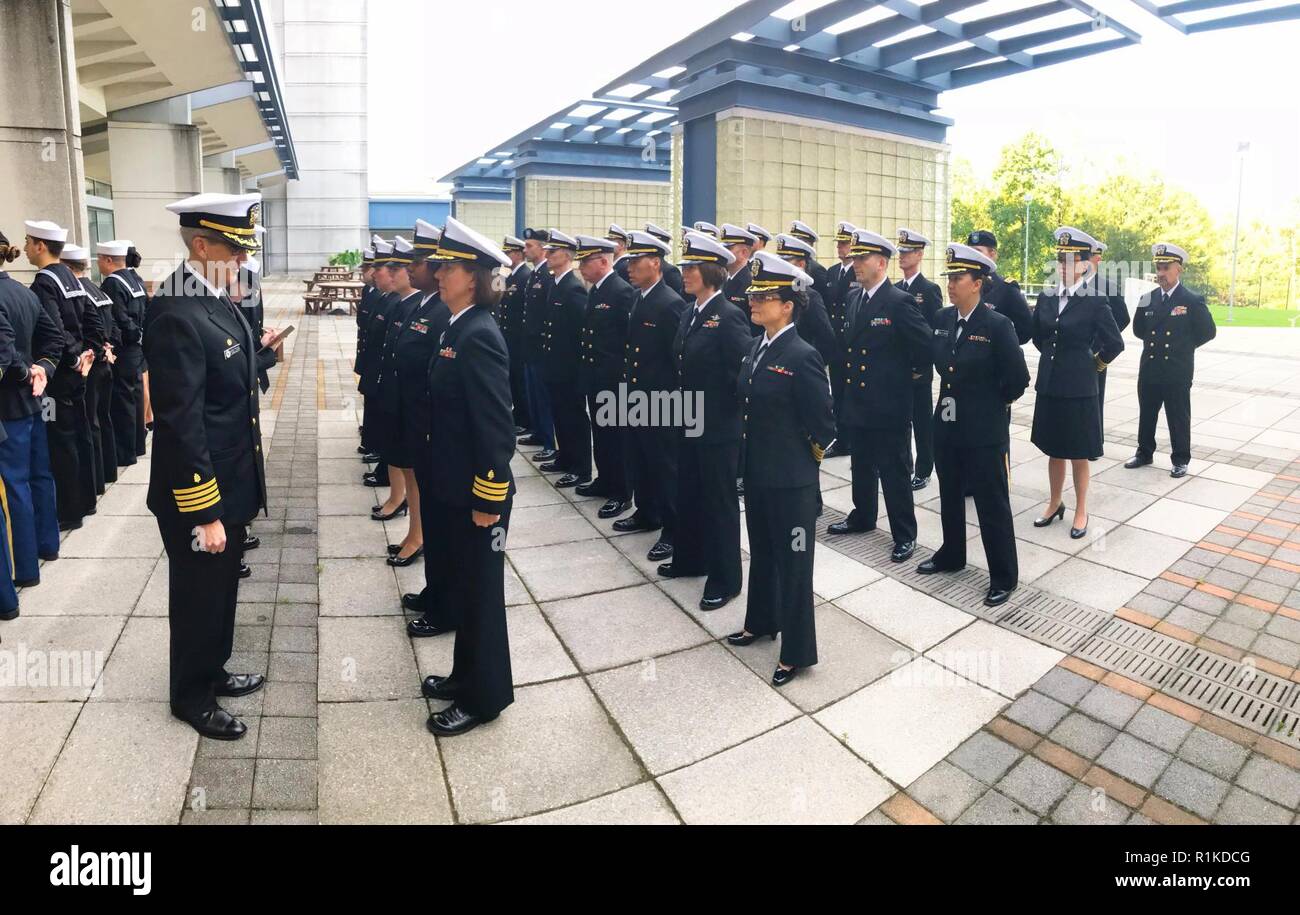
(923, 428)
(607, 446)
(203, 589)
(99, 389)
(782, 534)
(880, 459)
(981, 472)
(1177, 402)
(473, 592)
(127, 406)
(652, 471)
(71, 456)
(572, 428)
(707, 539)
(518, 387)
(441, 602)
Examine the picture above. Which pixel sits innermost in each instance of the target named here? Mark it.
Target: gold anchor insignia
(492, 475)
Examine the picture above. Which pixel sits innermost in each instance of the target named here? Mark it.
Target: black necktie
(961, 327)
(759, 357)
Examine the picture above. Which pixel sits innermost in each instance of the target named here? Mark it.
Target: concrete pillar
(156, 157)
(40, 124)
(221, 175)
(587, 205)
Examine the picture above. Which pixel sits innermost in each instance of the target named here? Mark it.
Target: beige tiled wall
(495, 219)
(588, 207)
(773, 171)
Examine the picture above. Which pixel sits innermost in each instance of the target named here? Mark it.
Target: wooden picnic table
(329, 274)
(331, 291)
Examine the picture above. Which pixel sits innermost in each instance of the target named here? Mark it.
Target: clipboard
(279, 338)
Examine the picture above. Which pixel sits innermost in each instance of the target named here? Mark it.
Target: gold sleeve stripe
(818, 451)
(195, 500)
(47, 361)
(199, 506)
(191, 490)
(489, 496)
(495, 487)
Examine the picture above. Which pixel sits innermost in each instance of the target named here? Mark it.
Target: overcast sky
(475, 74)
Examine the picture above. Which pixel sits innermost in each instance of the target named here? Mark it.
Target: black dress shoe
(659, 552)
(436, 687)
(413, 602)
(8, 615)
(455, 720)
(1078, 533)
(26, 582)
(550, 467)
(546, 454)
(371, 458)
(740, 640)
(421, 628)
(782, 675)
(1136, 461)
(244, 570)
(398, 562)
(369, 479)
(361, 449)
(70, 526)
(715, 603)
(836, 450)
(844, 527)
(531, 441)
(903, 551)
(929, 567)
(634, 525)
(667, 571)
(240, 685)
(592, 488)
(570, 480)
(520, 431)
(613, 508)
(1049, 518)
(920, 483)
(1179, 471)
(218, 724)
(252, 542)
(996, 596)
(395, 513)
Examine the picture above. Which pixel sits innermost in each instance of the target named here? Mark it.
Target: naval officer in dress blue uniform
(207, 481)
(672, 277)
(566, 312)
(1114, 297)
(928, 299)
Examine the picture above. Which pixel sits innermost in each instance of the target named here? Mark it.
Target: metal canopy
(592, 125)
(1185, 16)
(893, 50)
(247, 32)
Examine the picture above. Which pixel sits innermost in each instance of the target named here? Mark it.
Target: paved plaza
(1147, 673)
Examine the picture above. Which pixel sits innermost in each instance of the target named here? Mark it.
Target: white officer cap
(461, 243)
(383, 250)
(790, 246)
(117, 248)
(559, 241)
(698, 248)
(617, 233)
(232, 216)
(758, 231)
(46, 230)
(735, 235)
(965, 259)
(1168, 253)
(705, 228)
(375, 240)
(512, 244)
(74, 253)
(661, 234)
(769, 272)
(802, 230)
(1073, 241)
(910, 240)
(865, 242)
(643, 243)
(590, 246)
(844, 231)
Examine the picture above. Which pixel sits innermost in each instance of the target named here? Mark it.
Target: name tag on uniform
(230, 351)
(780, 370)
(940, 333)
(1178, 310)
(920, 299)
(447, 353)
(881, 322)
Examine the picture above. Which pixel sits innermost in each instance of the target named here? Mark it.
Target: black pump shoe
(1057, 515)
(740, 640)
(398, 512)
(397, 561)
(1078, 533)
(782, 675)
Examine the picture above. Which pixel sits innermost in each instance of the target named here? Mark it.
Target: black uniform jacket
(417, 344)
(29, 336)
(821, 278)
(709, 350)
(129, 302)
(841, 279)
(102, 305)
(388, 389)
(207, 445)
(473, 430)
(672, 277)
(620, 267)
(1072, 342)
(979, 375)
(1170, 333)
(1005, 296)
(814, 325)
(510, 314)
(566, 312)
(365, 311)
(786, 413)
(1114, 300)
(929, 300)
(536, 307)
(886, 339)
(648, 362)
(604, 333)
(64, 299)
(381, 316)
(736, 291)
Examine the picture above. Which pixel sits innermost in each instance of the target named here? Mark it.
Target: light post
(1243, 147)
(1024, 270)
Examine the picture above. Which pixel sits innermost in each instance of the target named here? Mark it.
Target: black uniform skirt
(414, 427)
(387, 437)
(1067, 427)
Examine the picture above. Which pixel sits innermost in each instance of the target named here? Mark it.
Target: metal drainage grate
(1240, 692)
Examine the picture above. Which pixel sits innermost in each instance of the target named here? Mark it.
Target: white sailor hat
(865, 242)
(383, 250)
(661, 234)
(698, 248)
(116, 248)
(426, 238)
(910, 240)
(802, 230)
(590, 246)
(46, 230)
(232, 216)
(403, 253)
(74, 253)
(758, 231)
(1070, 240)
(512, 244)
(965, 259)
(844, 231)
(617, 233)
(559, 241)
(790, 246)
(643, 243)
(367, 256)
(735, 235)
(461, 243)
(1167, 253)
(705, 228)
(769, 273)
